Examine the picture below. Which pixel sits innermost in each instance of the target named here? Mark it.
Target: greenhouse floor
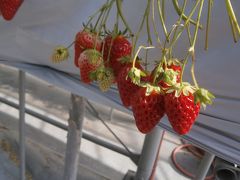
(45, 144)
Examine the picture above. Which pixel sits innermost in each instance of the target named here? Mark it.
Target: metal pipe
(134, 157)
(74, 137)
(22, 132)
(149, 153)
(204, 166)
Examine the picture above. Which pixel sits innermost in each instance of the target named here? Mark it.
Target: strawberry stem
(185, 24)
(101, 9)
(160, 13)
(210, 4)
(98, 19)
(154, 24)
(107, 15)
(147, 23)
(176, 26)
(70, 45)
(119, 9)
(163, 9)
(140, 27)
(192, 51)
(189, 35)
(234, 33)
(193, 71)
(183, 67)
(180, 12)
(197, 25)
(139, 49)
(232, 15)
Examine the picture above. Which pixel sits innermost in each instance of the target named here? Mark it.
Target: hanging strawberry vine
(109, 55)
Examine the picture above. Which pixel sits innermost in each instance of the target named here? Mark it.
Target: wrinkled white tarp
(28, 40)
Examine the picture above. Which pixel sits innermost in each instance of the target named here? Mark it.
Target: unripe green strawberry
(105, 79)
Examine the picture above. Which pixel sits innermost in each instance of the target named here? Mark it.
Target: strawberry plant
(108, 55)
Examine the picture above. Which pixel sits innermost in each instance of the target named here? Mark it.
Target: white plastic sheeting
(28, 40)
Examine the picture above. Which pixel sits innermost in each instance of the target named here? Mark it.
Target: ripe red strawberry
(115, 49)
(176, 66)
(147, 109)
(9, 8)
(85, 40)
(89, 61)
(125, 86)
(181, 111)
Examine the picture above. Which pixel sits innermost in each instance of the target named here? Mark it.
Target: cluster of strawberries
(100, 60)
(167, 96)
(8, 8)
(108, 61)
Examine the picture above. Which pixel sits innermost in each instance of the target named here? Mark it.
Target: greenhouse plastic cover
(27, 41)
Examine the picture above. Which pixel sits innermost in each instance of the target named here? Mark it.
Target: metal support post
(75, 123)
(204, 166)
(22, 132)
(149, 153)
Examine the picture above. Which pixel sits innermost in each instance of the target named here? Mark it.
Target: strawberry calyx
(181, 88)
(135, 74)
(116, 32)
(174, 61)
(169, 76)
(203, 96)
(168, 72)
(151, 88)
(94, 56)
